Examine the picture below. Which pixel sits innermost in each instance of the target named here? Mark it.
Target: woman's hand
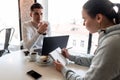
(65, 53)
(58, 65)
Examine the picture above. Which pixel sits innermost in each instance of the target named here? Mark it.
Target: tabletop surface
(15, 65)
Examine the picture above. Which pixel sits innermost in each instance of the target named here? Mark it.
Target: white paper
(56, 55)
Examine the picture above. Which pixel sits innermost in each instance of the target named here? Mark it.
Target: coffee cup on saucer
(33, 56)
(44, 59)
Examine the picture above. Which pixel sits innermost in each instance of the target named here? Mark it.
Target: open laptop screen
(51, 43)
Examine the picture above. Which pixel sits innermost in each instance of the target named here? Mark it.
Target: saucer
(48, 62)
(30, 60)
(44, 62)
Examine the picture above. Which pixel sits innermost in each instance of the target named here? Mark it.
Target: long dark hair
(105, 7)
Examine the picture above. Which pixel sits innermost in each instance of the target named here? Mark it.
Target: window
(9, 18)
(65, 18)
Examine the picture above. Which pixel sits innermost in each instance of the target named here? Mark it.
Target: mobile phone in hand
(34, 74)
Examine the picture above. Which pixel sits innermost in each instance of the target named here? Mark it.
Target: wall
(25, 9)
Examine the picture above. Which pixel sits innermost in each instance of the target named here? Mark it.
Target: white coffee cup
(33, 56)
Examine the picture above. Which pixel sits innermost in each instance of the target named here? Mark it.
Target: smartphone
(34, 74)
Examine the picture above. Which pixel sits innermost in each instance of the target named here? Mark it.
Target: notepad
(56, 55)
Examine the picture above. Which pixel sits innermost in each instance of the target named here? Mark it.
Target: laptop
(51, 43)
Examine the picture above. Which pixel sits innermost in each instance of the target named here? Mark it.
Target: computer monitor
(51, 43)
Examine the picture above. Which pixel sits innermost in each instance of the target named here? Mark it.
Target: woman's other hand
(58, 65)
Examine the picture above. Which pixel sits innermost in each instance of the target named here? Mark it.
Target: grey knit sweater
(105, 65)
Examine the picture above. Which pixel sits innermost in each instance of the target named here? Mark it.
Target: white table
(14, 66)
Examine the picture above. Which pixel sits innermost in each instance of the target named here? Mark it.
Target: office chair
(8, 36)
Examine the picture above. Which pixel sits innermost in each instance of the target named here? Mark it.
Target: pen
(69, 48)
